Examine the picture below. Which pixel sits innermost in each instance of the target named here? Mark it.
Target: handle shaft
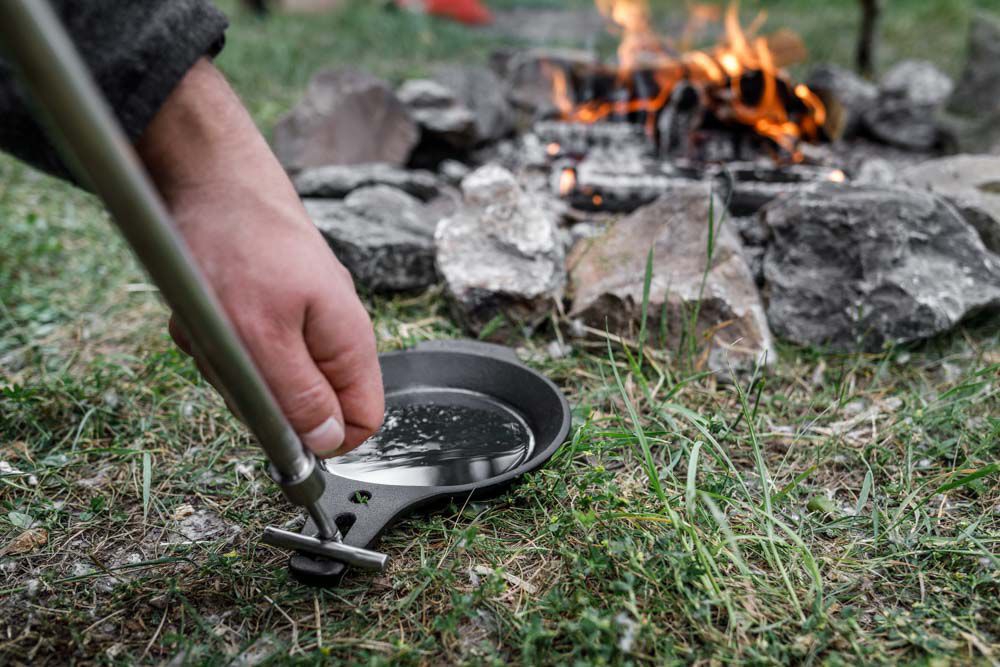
(98, 150)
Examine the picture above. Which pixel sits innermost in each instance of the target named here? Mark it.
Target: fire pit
(550, 182)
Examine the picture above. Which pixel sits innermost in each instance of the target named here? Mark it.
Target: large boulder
(484, 94)
(382, 235)
(607, 277)
(863, 266)
(338, 181)
(972, 183)
(501, 253)
(978, 89)
(345, 117)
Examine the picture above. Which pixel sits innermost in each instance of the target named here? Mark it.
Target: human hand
(292, 303)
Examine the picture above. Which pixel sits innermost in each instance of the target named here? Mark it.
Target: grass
(839, 508)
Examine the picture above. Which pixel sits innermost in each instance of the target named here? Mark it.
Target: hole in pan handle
(364, 511)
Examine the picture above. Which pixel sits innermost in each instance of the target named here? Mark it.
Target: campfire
(681, 177)
(738, 88)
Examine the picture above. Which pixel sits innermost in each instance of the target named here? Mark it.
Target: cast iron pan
(464, 421)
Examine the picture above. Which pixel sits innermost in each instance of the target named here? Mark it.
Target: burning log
(739, 84)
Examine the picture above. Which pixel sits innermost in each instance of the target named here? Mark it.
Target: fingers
(303, 392)
(340, 337)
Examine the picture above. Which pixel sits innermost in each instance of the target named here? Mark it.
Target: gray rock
(607, 276)
(382, 235)
(972, 183)
(917, 81)
(866, 265)
(911, 95)
(876, 171)
(345, 117)
(978, 89)
(530, 75)
(501, 253)
(439, 112)
(483, 93)
(852, 95)
(899, 122)
(453, 171)
(338, 181)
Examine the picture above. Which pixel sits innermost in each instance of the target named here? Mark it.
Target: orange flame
(783, 113)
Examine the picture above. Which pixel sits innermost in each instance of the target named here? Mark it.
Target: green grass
(837, 508)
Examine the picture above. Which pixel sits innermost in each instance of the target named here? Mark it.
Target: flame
(740, 80)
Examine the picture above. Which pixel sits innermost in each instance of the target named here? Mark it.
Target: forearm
(203, 137)
(137, 53)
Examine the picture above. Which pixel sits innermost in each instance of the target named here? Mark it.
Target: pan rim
(542, 451)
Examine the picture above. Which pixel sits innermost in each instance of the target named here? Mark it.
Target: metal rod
(97, 147)
(338, 551)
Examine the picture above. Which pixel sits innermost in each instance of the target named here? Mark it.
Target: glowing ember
(598, 200)
(567, 181)
(740, 81)
(553, 149)
(837, 176)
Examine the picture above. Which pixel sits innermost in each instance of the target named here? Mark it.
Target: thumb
(304, 394)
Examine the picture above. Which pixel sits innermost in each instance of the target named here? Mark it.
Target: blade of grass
(147, 483)
(646, 282)
(654, 478)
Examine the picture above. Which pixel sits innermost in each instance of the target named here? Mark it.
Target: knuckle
(307, 407)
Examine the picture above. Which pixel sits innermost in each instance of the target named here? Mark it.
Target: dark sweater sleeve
(137, 51)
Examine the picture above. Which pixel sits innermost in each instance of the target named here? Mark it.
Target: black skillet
(464, 421)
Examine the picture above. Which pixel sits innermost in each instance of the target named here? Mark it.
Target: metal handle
(338, 551)
(98, 150)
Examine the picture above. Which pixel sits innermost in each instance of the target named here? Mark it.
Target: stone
(911, 95)
(438, 112)
(898, 122)
(919, 82)
(382, 235)
(847, 95)
(530, 75)
(971, 134)
(481, 91)
(607, 280)
(863, 266)
(453, 171)
(978, 89)
(338, 181)
(345, 117)
(500, 254)
(972, 183)
(876, 171)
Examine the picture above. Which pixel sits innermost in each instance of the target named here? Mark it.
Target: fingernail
(325, 439)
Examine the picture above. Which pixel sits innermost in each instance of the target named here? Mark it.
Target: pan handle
(499, 352)
(362, 512)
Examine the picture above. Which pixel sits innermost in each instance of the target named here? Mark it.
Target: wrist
(203, 140)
